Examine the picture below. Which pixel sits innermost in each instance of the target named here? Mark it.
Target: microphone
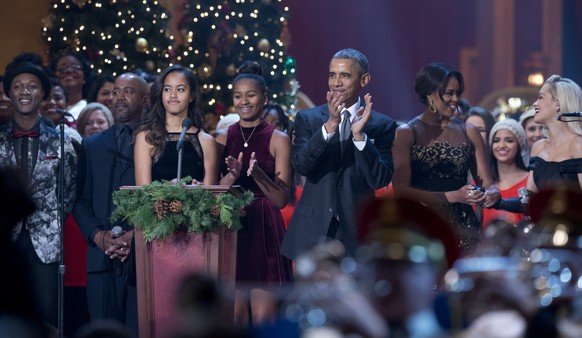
(186, 124)
(63, 112)
(572, 114)
(117, 231)
(523, 195)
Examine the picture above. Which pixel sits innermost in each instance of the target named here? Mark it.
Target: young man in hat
(34, 148)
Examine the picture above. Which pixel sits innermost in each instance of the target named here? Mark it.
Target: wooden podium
(162, 264)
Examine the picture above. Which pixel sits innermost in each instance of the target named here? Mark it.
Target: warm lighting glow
(514, 103)
(535, 79)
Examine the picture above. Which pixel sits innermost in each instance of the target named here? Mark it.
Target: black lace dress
(440, 159)
(165, 162)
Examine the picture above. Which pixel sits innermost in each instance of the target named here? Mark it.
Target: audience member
(463, 109)
(508, 160)
(434, 152)
(556, 258)
(343, 163)
(175, 96)
(104, 328)
(202, 309)
(558, 158)
(275, 116)
(491, 293)
(533, 131)
(483, 121)
(102, 91)
(74, 72)
(20, 316)
(330, 293)
(227, 120)
(93, 119)
(258, 158)
(34, 148)
(6, 110)
(410, 247)
(105, 164)
(48, 109)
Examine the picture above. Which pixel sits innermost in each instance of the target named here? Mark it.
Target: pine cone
(215, 212)
(161, 208)
(176, 206)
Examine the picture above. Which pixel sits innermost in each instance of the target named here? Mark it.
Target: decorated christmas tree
(217, 36)
(115, 35)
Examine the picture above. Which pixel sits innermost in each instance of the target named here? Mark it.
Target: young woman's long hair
(154, 120)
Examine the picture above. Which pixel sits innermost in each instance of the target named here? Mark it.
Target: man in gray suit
(343, 163)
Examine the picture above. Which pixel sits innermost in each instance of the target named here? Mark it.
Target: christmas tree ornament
(80, 3)
(264, 45)
(231, 70)
(141, 45)
(150, 66)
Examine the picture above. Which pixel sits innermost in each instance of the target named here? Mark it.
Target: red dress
(259, 240)
(511, 217)
(288, 210)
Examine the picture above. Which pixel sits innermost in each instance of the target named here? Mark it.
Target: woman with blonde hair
(93, 119)
(557, 159)
(533, 131)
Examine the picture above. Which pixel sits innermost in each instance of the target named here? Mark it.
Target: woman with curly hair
(175, 96)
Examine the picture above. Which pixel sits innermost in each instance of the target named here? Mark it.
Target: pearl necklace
(246, 144)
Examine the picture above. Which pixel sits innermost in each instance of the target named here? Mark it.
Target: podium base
(161, 266)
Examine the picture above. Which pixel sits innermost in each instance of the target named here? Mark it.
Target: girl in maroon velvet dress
(258, 158)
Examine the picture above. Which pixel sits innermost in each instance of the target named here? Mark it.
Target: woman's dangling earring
(432, 108)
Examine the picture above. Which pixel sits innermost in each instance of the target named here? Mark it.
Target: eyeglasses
(72, 67)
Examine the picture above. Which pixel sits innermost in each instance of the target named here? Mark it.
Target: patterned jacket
(43, 225)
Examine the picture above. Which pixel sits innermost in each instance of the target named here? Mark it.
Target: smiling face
(248, 99)
(504, 146)
(447, 106)
(96, 123)
(533, 131)
(546, 106)
(26, 93)
(55, 100)
(70, 72)
(345, 79)
(176, 94)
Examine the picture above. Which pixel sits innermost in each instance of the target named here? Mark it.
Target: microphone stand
(180, 147)
(61, 187)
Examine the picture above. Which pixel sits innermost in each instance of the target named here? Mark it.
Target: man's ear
(365, 79)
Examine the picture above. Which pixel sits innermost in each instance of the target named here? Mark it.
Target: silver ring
(471, 192)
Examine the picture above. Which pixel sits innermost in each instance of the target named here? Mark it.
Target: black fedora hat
(27, 68)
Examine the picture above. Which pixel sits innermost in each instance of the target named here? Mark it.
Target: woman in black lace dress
(434, 152)
(558, 158)
(175, 95)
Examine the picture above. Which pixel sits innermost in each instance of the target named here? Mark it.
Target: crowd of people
(321, 251)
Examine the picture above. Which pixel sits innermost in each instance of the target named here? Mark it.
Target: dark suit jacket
(102, 170)
(335, 184)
